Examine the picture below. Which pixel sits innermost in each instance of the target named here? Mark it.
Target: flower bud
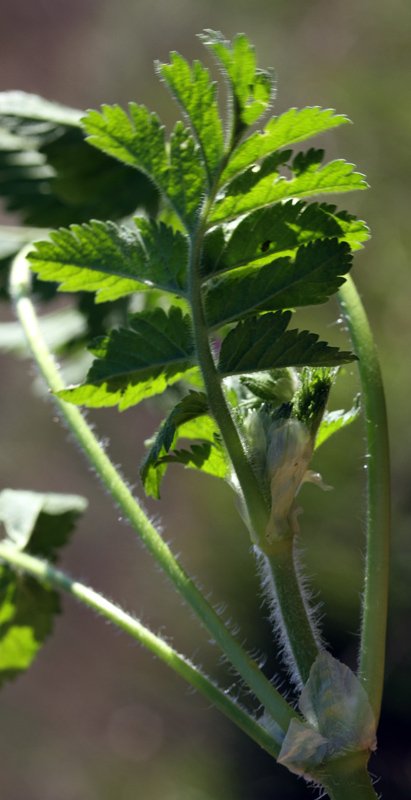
(289, 451)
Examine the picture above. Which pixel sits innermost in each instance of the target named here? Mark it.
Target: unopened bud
(289, 452)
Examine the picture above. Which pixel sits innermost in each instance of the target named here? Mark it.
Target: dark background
(96, 718)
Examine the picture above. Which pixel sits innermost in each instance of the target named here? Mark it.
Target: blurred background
(96, 718)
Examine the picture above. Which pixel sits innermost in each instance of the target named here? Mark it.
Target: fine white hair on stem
(275, 615)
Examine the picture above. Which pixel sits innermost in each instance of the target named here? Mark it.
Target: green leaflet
(40, 524)
(252, 89)
(195, 92)
(336, 176)
(316, 273)
(186, 182)
(278, 231)
(295, 125)
(138, 362)
(137, 139)
(334, 421)
(263, 343)
(189, 419)
(113, 260)
(206, 457)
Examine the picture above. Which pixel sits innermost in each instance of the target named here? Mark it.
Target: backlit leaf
(207, 457)
(251, 88)
(113, 260)
(295, 125)
(187, 177)
(334, 421)
(264, 343)
(138, 362)
(136, 138)
(278, 231)
(336, 176)
(191, 407)
(316, 273)
(196, 94)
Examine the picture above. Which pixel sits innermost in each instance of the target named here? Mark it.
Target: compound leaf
(196, 94)
(336, 176)
(137, 362)
(113, 260)
(295, 125)
(315, 274)
(263, 343)
(252, 89)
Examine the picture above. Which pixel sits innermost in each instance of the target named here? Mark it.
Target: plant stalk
(48, 575)
(347, 778)
(255, 502)
(375, 595)
(271, 699)
(296, 624)
(291, 612)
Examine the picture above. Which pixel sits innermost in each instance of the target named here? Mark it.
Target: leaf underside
(189, 419)
(138, 362)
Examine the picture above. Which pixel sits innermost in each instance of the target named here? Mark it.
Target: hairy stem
(375, 596)
(254, 500)
(296, 625)
(48, 575)
(290, 612)
(266, 693)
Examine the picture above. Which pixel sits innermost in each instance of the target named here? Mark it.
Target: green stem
(291, 612)
(266, 693)
(375, 596)
(254, 500)
(296, 622)
(48, 575)
(348, 779)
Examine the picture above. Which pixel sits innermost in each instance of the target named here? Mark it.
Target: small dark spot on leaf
(265, 245)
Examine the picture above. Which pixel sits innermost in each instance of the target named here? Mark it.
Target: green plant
(194, 298)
